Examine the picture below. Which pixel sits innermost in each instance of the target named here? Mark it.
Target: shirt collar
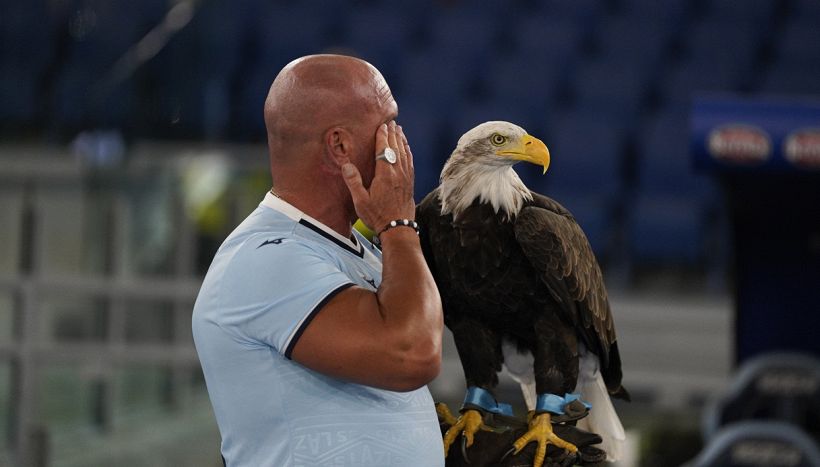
(278, 204)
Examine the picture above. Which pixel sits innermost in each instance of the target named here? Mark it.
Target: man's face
(383, 109)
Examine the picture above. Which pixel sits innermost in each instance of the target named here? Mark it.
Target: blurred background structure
(132, 142)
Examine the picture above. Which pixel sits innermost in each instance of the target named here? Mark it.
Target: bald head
(314, 93)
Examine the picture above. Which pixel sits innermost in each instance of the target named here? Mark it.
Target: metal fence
(100, 263)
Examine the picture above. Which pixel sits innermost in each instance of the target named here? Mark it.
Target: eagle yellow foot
(467, 424)
(444, 414)
(541, 432)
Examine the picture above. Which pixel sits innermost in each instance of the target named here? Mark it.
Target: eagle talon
(511, 451)
(541, 432)
(467, 425)
(464, 450)
(444, 414)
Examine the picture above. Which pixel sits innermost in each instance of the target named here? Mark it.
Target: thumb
(353, 180)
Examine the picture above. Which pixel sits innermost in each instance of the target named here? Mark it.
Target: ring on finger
(388, 156)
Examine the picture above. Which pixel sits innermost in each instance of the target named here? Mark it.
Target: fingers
(391, 136)
(353, 180)
(381, 139)
(407, 155)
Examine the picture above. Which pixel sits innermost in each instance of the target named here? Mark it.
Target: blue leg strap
(482, 399)
(555, 404)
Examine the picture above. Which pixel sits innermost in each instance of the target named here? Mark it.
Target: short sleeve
(271, 292)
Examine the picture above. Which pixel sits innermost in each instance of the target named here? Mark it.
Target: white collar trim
(278, 204)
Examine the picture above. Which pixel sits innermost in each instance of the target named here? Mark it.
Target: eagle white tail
(602, 419)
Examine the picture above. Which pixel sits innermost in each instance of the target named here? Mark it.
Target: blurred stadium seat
(611, 65)
(798, 79)
(808, 9)
(731, 46)
(689, 77)
(667, 222)
(546, 37)
(799, 41)
(379, 36)
(782, 387)
(26, 50)
(586, 174)
(612, 89)
(756, 13)
(636, 43)
(423, 129)
(586, 13)
(752, 444)
(421, 79)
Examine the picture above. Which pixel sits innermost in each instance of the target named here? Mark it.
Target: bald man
(316, 345)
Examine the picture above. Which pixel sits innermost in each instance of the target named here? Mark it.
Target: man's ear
(338, 146)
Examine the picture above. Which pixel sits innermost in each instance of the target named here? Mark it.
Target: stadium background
(132, 141)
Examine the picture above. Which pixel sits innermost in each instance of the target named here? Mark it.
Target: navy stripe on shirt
(359, 252)
(310, 316)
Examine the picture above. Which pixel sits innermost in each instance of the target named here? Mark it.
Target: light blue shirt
(267, 281)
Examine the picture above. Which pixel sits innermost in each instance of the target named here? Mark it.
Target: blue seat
(423, 129)
(102, 31)
(664, 162)
(585, 174)
(26, 38)
(380, 36)
(612, 87)
(671, 15)
(285, 31)
(473, 114)
(757, 13)
(26, 50)
(585, 155)
(716, 43)
(524, 85)
(778, 386)
(799, 42)
(82, 101)
(752, 444)
(805, 9)
(19, 94)
(546, 37)
(692, 76)
(434, 79)
(792, 79)
(193, 73)
(248, 104)
(595, 215)
(634, 41)
(468, 37)
(585, 13)
(665, 229)
(668, 215)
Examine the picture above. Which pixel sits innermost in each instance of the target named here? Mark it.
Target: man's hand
(390, 196)
(397, 329)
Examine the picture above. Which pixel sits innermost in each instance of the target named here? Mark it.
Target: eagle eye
(498, 139)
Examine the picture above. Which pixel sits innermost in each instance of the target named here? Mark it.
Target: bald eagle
(520, 287)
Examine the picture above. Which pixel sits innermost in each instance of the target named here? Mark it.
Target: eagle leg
(479, 349)
(541, 432)
(468, 424)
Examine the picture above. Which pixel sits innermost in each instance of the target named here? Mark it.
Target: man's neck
(322, 205)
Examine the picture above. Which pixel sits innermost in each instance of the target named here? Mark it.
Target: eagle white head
(481, 168)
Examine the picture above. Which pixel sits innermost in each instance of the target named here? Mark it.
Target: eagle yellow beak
(530, 149)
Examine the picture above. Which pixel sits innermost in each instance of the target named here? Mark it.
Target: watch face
(390, 155)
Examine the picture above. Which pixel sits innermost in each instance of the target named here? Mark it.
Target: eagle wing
(559, 250)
